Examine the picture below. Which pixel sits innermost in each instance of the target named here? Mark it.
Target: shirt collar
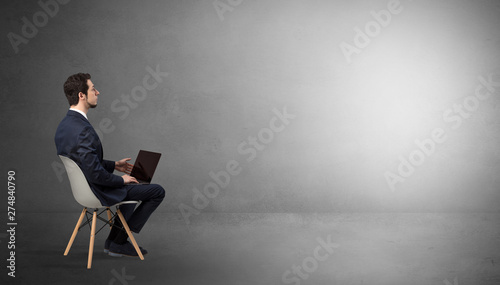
(83, 114)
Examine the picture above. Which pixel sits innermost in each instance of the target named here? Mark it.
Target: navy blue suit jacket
(76, 138)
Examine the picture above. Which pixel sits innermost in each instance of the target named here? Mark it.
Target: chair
(85, 197)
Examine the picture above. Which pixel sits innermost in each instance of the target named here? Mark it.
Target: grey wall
(356, 116)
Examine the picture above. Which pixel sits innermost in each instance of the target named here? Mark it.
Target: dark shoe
(106, 245)
(127, 249)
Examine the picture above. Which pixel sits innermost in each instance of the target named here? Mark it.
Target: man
(76, 138)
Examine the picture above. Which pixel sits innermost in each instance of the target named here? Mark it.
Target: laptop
(145, 166)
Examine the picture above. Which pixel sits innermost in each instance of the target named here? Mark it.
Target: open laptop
(145, 166)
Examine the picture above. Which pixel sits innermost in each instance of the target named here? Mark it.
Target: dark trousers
(150, 196)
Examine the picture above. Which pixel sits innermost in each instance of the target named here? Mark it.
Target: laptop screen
(145, 165)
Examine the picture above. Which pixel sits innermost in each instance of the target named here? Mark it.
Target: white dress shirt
(76, 110)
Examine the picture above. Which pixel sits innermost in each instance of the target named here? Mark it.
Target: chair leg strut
(109, 218)
(132, 239)
(92, 238)
(75, 231)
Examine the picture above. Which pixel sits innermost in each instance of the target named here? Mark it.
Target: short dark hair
(75, 84)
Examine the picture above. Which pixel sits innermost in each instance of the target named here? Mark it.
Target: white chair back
(79, 185)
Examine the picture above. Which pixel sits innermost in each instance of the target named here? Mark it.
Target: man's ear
(81, 95)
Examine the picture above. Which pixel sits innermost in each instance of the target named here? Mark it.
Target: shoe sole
(116, 254)
(121, 254)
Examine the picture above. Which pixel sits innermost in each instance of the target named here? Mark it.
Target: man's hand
(129, 179)
(124, 166)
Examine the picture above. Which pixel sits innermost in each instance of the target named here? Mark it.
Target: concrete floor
(333, 248)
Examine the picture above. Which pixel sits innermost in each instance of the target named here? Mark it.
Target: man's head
(80, 90)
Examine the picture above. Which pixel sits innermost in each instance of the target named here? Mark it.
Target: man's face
(92, 94)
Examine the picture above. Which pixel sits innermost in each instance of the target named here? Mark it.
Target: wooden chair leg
(109, 217)
(92, 237)
(75, 231)
(132, 239)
